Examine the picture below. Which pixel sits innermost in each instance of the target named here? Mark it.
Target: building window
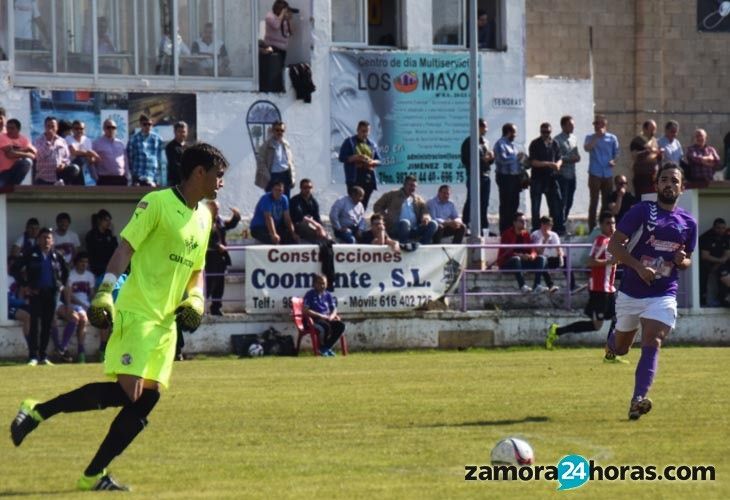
(451, 21)
(373, 23)
(113, 42)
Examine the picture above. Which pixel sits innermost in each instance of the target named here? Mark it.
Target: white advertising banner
(367, 277)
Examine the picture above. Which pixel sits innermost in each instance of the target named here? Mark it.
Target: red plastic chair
(305, 327)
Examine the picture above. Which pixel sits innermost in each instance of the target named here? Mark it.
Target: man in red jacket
(521, 258)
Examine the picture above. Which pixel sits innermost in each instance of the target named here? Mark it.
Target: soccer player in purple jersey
(654, 240)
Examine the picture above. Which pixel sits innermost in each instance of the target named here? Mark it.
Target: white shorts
(630, 310)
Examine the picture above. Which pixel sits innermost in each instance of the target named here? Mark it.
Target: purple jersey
(655, 235)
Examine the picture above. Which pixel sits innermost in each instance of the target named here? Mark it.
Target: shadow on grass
(486, 423)
(34, 493)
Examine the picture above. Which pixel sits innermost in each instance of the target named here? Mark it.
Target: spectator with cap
(144, 151)
(111, 169)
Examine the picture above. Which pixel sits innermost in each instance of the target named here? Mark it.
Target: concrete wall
(649, 62)
(548, 99)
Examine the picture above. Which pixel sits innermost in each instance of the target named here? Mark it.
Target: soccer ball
(512, 451)
(255, 350)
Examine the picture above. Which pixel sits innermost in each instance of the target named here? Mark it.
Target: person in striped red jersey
(602, 292)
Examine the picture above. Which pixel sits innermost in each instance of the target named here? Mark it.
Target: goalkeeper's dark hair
(203, 154)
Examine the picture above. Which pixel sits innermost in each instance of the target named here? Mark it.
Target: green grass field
(394, 425)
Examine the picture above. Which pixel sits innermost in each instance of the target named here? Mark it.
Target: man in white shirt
(546, 236)
(80, 147)
(443, 211)
(65, 240)
(206, 45)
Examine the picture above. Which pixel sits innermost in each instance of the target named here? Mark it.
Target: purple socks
(645, 370)
(68, 331)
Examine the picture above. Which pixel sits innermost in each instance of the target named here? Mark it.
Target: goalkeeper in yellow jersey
(165, 241)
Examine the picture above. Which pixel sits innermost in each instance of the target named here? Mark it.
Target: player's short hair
(203, 154)
(546, 219)
(670, 165)
(605, 215)
(63, 216)
(81, 255)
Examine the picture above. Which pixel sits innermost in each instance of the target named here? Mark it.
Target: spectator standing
(46, 271)
(443, 211)
(145, 154)
(406, 214)
(174, 151)
(277, 157)
(669, 146)
(112, 168)
(53, 161)
(66, 241)
(271, 223)
(702, 159)
(27, 240)
(360, 156)
(276, 35)
(321, 307)
(621, 199)
(82, 151)
(546, 161)
(217, 259)
(521, 258)
(568, 143)
(714, 254)
(554, 255)
(304, 210)
(347, 216)
(646, 155)
(16, 155)
(603, 149)
(508, 163)
(100, 243)
(486, 158)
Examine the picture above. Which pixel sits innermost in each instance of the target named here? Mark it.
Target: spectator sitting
(100, 243)
(27, 240)
(217, 259)
(53, 161)
(82, 151)
(144, 151)
(111, 169)
(174, 151)
(406, 214)
(78, 292)
(347, 216)
(16, 154)
(702, 159)
(65, 240)
(520, 258)
(714, 254)
(304, 211)
(45, 271)
(205, 45)
(271, 223)
(546, 236)
(443, 211)
(377, 235)
(620, 200)
(321, 307)
(18, 307)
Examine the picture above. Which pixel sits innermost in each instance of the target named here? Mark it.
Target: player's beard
(668, 199)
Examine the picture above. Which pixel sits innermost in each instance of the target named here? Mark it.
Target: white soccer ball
(513, 451)
(255, 350)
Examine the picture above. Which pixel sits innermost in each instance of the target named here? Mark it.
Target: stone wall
(649, 62)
